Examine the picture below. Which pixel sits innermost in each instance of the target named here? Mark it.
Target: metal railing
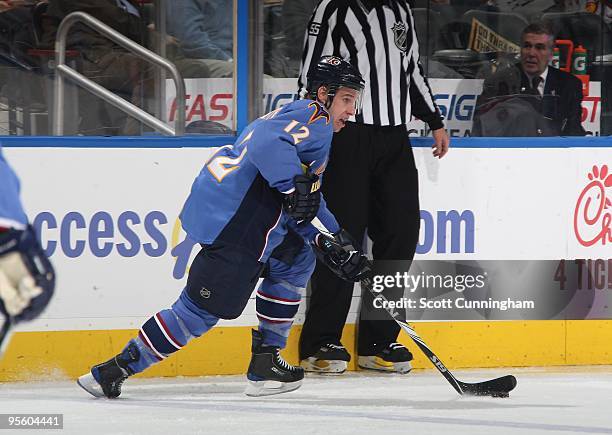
(62, 70)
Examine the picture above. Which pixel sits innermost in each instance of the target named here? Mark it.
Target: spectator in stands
(296, 15)
(606, 5)
(276, 62)
(204, 33)
(591, 6)
(7, 5)
(14, 17)
(103, 61)
(546, 99)
(20, 83)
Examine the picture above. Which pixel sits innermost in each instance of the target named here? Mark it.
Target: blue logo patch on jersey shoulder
(319, 113)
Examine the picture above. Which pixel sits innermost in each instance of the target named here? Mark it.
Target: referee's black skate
(393, 357)
(105, 379)
(330, 359)
(268, 372)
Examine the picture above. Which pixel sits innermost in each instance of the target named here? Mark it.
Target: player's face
(536, 53)
(344, 105)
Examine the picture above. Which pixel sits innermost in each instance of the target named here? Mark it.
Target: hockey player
(27, 279)
(251, 209)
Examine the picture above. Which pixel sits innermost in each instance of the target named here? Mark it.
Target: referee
(371, 182)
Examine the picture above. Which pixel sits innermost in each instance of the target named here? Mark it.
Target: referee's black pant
(371, 183)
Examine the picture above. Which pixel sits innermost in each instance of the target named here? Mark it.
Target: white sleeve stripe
(9, 223)
(263, 251)
(319, 226)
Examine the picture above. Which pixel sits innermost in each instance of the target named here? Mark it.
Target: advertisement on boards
(211, 99)
(108, 218)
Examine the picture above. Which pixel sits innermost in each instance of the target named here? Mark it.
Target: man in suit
(554, 96)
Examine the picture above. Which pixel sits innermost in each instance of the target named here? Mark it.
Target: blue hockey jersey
(237, 197)
(11, 210)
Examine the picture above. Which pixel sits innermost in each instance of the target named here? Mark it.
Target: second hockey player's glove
(340, 254)
(303, 203)
(27, 279)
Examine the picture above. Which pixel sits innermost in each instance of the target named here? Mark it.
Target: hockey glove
(27, 279)
(341, 256)
(303, 203)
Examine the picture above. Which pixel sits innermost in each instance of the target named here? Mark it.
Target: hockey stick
(5, 333)
(498, 387)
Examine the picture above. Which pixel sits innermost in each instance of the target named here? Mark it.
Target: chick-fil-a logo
(593, 213)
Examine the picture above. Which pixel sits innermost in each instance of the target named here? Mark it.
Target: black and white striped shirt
(378, 37)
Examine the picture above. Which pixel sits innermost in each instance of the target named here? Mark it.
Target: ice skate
(105, 379)
(330, 359)
(268, 372)
(393, 358)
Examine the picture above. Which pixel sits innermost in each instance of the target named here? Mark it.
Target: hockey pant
(277, 302)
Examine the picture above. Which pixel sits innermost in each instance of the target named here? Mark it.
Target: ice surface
(546, 401)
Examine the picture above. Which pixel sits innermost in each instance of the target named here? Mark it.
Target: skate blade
(376, 363)
(323, 367)
(89, 384)
(269, 388)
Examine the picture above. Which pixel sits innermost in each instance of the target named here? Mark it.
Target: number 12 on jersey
(222, 166)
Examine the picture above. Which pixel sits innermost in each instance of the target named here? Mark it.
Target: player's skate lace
(116, 385)
(281, 361)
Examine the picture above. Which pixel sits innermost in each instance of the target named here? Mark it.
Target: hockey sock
(277, 303)
(169, 330)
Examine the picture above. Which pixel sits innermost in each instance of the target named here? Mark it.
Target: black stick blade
(499, 387)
